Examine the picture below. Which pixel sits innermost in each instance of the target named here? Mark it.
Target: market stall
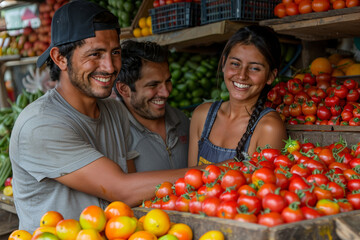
(196, 32)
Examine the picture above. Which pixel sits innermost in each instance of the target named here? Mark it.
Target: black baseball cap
(73, 22)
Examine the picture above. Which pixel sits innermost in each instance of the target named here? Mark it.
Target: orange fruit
(44, 229)
(137, 32)
(50, 219)
(89, 234)
(68, 229)
(212, 235)
(145, 31)
(117, 209)
(334, 58)
(120, 227)
(182, 231)
(337, 72)
(320, 65)
(142, 22)
(143, 235)
(344, 63)
(93, 217)
(354, 69)
(148, 21)
(20, 235)
(45, 236)
(157, 221)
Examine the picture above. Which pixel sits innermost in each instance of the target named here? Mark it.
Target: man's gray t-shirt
(154, 153)
(50, 138)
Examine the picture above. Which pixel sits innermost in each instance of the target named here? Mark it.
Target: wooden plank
(205, 34)
(8, 222)
(7, 203)
(341, 23)
(348, 228)
(232, 230)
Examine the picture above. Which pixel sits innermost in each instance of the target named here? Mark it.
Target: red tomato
(164, 189)
(266, 189)
(313, 164)
(169, 202)
(193, 177)
(355, 121)
(318, 179)
(274, 202)
(195, 204)
(305, 6)
(162, 2)
(282, 181)
(350, 83)
(247, 190)
(346, 115)
(295, 109)
(210, 206)
(227, 209)
(213, 190)
(292, 213)
(339, 4)
(300, 170)
(328, 207)
(182, 203)
(280, 10)
(294, 85)
(290, 197)
(352, 3)
(298, 183)
(337, 191)
(251, 202)
(341, 91)
(323, 113)
(286, 1)
(180, 187)
(283, 160)
(270, 219)
(335, 110)
(229, 195)
(210, 174)
(332, 100)
(263, 175)
(272, 95)
(233, 178)
(320, 5)
(156, 3)
(310, 213)
(167, 2)
(354, 199)
(322, 192)
(353, 184)
(345, 206)
(305, 147)
(291, 9)
(309, 108)
(326, 156)
(354, 162)
(269, 154)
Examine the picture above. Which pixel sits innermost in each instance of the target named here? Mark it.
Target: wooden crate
(8, 223)
(328, 227)
(324, 134)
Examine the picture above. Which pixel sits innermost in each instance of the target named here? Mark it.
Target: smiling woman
(237, 127)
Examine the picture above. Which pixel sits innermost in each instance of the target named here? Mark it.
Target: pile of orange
(144, 27)
(116, 222)
(336, 65)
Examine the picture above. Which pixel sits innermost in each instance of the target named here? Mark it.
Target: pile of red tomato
(320, 99)
(303, 181)
(295, 7)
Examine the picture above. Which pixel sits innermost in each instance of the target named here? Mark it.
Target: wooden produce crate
(324, 134)
(328, 227)
(8, 223)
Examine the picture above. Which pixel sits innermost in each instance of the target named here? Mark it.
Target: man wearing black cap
(69, 148)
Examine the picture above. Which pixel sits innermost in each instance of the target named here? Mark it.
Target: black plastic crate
(175, 16)
(245, 10)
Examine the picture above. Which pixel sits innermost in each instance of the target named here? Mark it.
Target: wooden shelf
(333, 24)
(7, 203)
(205, 35)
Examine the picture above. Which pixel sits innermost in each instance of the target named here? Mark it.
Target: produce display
(143, 28)
(318, 96)
(117, 221)
(273, 187)
(296, 7)
(7, 120)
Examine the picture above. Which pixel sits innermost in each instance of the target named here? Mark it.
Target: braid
(258, 108)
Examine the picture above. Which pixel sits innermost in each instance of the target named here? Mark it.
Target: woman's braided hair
(266, 41)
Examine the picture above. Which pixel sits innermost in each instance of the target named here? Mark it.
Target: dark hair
(132, 56)
(266, 41)
(67, 49)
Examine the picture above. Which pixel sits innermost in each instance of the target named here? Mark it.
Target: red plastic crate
(174, 16)
(245, 10)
